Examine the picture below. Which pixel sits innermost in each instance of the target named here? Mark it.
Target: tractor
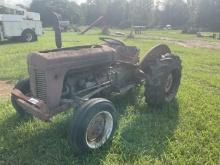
(79, 77)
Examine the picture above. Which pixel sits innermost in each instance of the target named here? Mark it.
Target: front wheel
(24, 87)
(93, 126)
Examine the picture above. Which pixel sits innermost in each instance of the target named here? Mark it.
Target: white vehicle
(16, 22)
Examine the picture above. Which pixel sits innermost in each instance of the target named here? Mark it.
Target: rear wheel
(29, 36)
(24, 87)
(163, 81)
(93, 126)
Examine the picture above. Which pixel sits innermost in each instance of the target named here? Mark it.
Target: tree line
(203, 14)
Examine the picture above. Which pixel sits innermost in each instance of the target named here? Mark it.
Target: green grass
(185, 132)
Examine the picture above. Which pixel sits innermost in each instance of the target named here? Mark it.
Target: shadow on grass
(11, 41)
(30, 141)
(27, 141)
(149, 130)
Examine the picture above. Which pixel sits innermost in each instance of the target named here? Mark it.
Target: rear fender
(154, 54)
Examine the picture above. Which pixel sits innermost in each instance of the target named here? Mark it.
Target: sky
(27, 2)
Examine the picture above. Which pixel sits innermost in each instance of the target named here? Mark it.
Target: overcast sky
(27, 2)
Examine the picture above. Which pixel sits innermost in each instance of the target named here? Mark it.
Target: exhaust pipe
(57, 30)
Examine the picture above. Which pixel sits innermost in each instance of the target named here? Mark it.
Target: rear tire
(93, 125)
(163, 81)
(24, 87)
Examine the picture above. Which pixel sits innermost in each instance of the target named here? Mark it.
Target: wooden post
(92, 25)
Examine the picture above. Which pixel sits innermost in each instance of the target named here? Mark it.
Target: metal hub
(99, 129)
(29, 37)
(169, 83)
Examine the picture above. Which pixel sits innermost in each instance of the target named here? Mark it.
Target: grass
(187, 131)
(175, 35)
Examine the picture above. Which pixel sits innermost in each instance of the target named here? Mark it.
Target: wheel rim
(99, 129)
(169, 83)
(28, 37)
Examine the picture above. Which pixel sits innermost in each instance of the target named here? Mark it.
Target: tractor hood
(73, 57)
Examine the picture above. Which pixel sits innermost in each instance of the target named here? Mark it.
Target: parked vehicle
(16, 22)
(64, 26)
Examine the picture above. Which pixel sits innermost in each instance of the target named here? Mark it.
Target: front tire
(24, 87)
(163, 81)
(93, 125)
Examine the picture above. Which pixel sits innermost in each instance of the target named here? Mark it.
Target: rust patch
(5, 89)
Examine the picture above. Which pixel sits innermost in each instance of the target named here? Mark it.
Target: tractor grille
(41, 85)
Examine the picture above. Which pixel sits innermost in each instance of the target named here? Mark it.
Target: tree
(141, 12)
(175, 13)
(116, 13)
(120, 13)
(95, 9)
(68, 10)
(208, 14)
(193, 11)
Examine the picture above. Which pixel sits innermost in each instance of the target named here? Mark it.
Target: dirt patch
(199, 44)
(186, 43)
(5, 89)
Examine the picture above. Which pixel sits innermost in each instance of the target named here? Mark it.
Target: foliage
(124, 13)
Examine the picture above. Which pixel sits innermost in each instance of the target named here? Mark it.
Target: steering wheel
(112, 41)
